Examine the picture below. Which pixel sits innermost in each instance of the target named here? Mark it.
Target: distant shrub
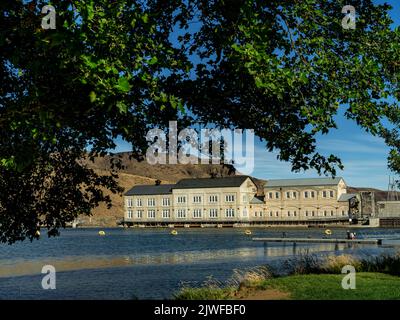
(247, 277)
(335, 264)
(304, 263)
(389, 264)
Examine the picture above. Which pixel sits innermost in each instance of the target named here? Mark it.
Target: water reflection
(20, 267)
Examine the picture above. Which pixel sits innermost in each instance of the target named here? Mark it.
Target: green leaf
(92, 96)
(122, 107)
(123, 85)
(153, 60)
(145, 18)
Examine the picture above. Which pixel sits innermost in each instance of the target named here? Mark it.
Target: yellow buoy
(247, 232)
(102, 233)
(328, 232)
(174, 232)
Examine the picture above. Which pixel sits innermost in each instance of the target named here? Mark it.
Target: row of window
(181, 213)
(229, 213)
(166, 202)
(306, 194)
(307, 213)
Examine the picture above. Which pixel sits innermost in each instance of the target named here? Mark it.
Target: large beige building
(234, 200)
(306, 199)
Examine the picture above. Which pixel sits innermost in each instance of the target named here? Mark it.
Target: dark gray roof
(346, 197)
(302, 182)
(225, 182)
(150, 190)
(257, 200)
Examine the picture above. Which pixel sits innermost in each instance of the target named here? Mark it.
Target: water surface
(151, 263)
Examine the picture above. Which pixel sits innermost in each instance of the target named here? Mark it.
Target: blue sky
(363, 156)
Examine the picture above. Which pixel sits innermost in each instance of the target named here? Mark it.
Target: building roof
(225, 182)
(346, 197)
(257, 200)
(302, 182)
(150, 190)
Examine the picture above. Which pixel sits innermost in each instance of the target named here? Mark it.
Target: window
(166, 214)
(343, 213)
(129, 214)
(255, 213)
(277, 195)
(332, 213)
(197, 213)
(129, 203)
(294, 194)
(213, 198)
(270, 213)
(245, 198)
(229, 213)
(181, 213)
(288, 195)
(312, 194)
(138, 202)
(151, 214)
(325, 214)
(139, 214)
(213, 213)
(196, 199)
(151, 202)
(277, 214)
(270, 195)
(306, 194)
(288, 213)
(295, 213)
(166, 202)
(331, 194)
(229, 198)
(306, 213)
(313, 213)
(324, 194)
(181, 199)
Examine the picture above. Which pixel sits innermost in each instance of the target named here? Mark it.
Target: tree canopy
(122, 67)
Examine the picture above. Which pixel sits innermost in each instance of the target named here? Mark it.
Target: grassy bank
(308, 278)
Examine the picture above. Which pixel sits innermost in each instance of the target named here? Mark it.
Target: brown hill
(380, 195)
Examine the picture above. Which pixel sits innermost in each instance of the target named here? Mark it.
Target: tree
(111, 69)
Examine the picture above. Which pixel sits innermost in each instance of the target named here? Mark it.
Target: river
(152, 263)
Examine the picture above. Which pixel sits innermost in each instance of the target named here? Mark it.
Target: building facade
(306, 199)
(235, 200)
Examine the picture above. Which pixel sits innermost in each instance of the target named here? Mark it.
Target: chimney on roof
(158, 182)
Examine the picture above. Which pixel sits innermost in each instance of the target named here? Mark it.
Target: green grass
(204, 293)
(311, 277)
(369, 286)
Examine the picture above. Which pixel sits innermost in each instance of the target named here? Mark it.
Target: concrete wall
(388, 209)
